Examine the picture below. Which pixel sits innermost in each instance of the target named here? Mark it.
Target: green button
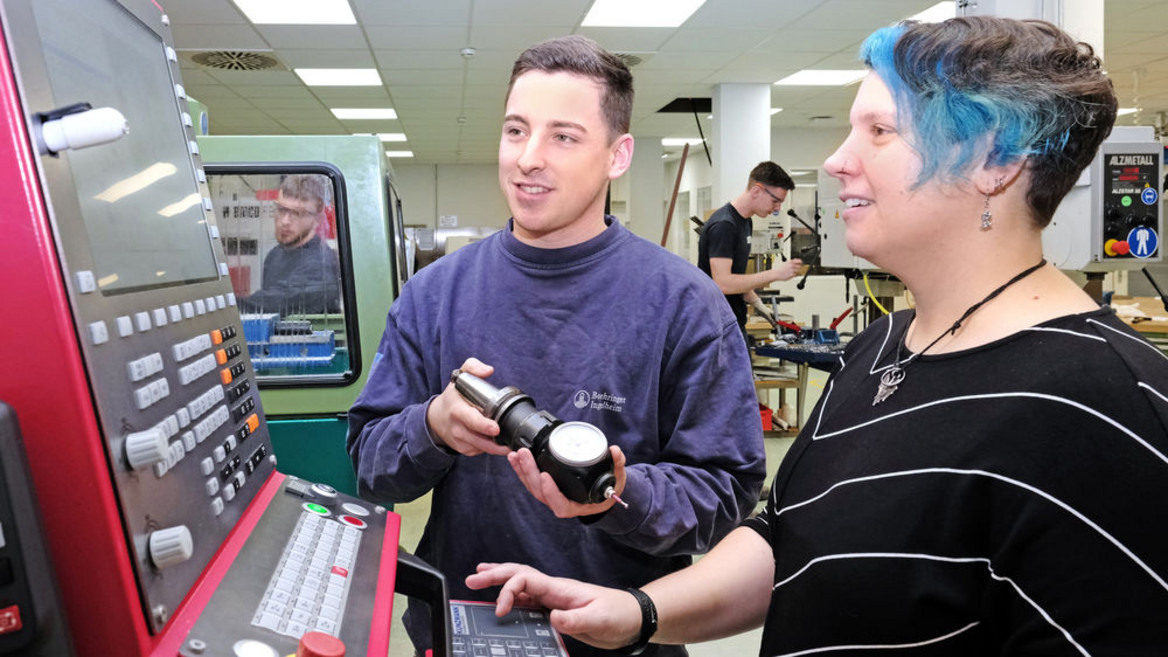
(1126, 201)
(316, 508)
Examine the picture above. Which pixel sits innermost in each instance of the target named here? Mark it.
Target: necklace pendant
(889, 381)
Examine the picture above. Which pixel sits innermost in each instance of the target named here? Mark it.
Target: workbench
(804, 357)
(1146, 315)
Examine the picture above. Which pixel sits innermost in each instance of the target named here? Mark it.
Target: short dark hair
(1039, 94)
(307, 187)
(771, 175)
(582, 56)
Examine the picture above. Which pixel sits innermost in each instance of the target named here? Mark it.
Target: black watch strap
(648, 623)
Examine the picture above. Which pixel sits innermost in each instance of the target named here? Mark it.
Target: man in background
(302, 274)
(724, 243)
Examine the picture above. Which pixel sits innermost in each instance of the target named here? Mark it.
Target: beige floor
(414, 516)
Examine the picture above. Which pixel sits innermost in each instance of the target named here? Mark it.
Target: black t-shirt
(727, 235)
(1008, 499)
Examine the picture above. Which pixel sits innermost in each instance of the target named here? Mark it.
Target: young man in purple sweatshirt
(597, 325)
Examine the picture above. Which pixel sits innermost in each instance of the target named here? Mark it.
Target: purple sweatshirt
(617, 332)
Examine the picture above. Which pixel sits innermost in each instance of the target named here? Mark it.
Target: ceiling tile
(217, 37)
(412, 12)
(312, 37)
(327, 58)
(417, 37)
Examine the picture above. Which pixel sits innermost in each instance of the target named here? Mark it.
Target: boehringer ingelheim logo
(582, 399)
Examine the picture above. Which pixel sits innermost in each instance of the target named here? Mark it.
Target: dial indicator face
(578, 443)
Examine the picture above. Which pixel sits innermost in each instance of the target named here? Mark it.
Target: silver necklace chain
(892, 377)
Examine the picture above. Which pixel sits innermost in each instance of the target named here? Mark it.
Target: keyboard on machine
(310, 585)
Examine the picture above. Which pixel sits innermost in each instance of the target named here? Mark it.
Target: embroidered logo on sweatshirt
(599, 401)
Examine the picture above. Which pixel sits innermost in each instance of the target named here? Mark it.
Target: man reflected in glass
(301, 274)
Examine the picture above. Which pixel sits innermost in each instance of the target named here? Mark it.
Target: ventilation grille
(235, 60)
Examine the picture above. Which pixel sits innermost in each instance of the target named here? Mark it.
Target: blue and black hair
(982, 89)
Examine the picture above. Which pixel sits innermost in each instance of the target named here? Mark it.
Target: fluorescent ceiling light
(823, 78)
(680, 141)
(190, 201)
(339, 77)
(297, 12)
(391, 136)
(1126, 110)
(399, 153)
(799, 172)
(941, 11)
(365, 113)
(137, 182)
(775, 110)
(640, 13)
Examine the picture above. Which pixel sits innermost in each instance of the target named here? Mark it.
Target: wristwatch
(648, 623)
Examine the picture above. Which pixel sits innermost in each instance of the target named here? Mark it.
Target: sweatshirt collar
(566, 255)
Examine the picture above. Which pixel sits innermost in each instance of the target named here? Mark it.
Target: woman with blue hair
(986, 474)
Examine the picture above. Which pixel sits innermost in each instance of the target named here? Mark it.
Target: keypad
(310, 585)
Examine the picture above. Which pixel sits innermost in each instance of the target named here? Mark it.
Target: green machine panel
(312, 356)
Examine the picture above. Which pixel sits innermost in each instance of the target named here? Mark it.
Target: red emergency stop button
(10, 620)
(1121, 247)
(319, 644)
(354, 522)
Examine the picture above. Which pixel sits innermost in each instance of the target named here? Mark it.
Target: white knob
(171, 546)
(84, 129)
(145, 448)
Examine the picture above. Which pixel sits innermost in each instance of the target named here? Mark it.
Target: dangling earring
(987, 217)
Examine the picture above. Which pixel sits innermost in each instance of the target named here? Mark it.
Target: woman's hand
(602, 617)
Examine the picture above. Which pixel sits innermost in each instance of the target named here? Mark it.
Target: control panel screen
(138, 196)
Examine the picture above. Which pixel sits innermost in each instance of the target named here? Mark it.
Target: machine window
(284, 239)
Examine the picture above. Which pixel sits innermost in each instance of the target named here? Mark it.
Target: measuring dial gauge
(578, 443)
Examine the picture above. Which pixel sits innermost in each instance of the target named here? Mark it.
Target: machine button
(253, 648)
(188, 309)
(354, 522)
(316, 508)
(174, 312)
(145, 448)
(171, 546)
(217, 506)
(86, 282)
(125, 326)
(10, 620)
(160, 317)
(220, 301)
(231, 298)
(98, 332)
(142, 319)
(206, 466)
(319, 644)
(354, 509)
(200, 307)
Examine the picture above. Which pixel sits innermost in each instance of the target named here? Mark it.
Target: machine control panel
(1131, 200)
(313, 563)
